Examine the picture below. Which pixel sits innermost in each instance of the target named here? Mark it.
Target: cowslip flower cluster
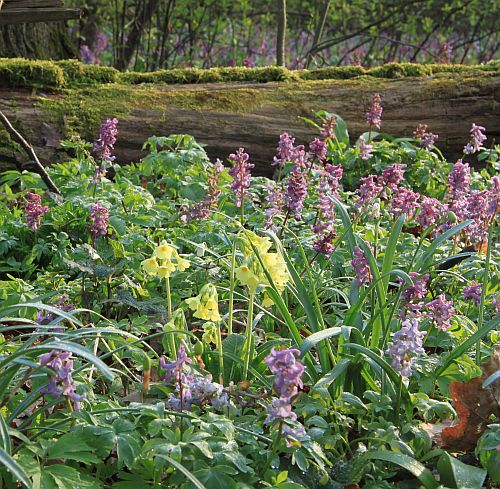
(251, 274)
(425, 139)
(165, 261)
(288, 152)
(34, 210)
(206, 304)
(192, 389)
(240, 172)
(296, 192)
(361, 267)
(203, 209)
(61, 382)
(477, 138)
(441, 311)
(287, 372)
(473, 292)
(374, 116)
(406, 343)
(99, 215)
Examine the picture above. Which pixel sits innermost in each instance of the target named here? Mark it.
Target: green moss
(20, 72)
(76, 73)
(58, 74)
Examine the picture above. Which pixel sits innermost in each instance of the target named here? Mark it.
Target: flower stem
(398, 400)
(221, 354)
(248, 337)
(231, 291)
(171, 339)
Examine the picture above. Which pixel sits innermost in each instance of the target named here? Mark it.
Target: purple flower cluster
(240, 172)
(318, 148)
(45, 317)
(406, 343)
(365, 150)
(416, 292)
(287, 152)
(203, 209)
(287, 372)
(275, 199)
(192, 389)
(34, 210)
(431, 212)
(477, 138)
(441, 311)
(405, 201)
(368, 191)
(374, 116)
(296, 192)
(394, 175)
(61, 382)
(107, 139)
(425, 139)
(327, 129)
(473, 292)
(99, 215)
(459, 180)
(361, 267)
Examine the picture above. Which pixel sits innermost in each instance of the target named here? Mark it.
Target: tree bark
(43, 40)
(228, 116)
(281, 32)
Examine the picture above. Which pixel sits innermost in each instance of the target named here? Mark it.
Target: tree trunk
(281, 32)
(228, 116)
(318, 33)
(43, 40)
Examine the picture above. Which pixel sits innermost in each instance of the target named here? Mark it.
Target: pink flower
(34, 211)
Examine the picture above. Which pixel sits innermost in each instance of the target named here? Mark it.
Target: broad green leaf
(457, 475)
(14, 468)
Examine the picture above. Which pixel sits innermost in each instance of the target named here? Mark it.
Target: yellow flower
(165, 270)
(150, 266)
(248, 277)
(209, 332)
(164, 251)
(261, 243)
(205, 304)
(182, 264)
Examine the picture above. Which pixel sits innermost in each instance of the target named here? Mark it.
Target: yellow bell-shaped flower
(150, 266)
(164, 251)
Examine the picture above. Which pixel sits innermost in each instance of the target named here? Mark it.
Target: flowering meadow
(183, 323)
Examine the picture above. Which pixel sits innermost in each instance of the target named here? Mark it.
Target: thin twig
(16, 136)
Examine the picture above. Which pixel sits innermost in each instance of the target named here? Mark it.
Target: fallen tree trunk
(228, 116)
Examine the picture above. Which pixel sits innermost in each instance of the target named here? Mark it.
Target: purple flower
(45, 317)
(431, 212)
(493, 197)
(275, 199)
(477, 139)
(287, 152)
(203, 209)
(441, 312)
(107, 139)
(61, 382)
(318, 147)
(34, 211)
(325, 235)
(394, 175)
(473, 292)
(241, 174)
(174, 370)
(406, 343)
(327, 129)
(293, 435)
(361, 267)
(87, 55)
(496, 303)
(99, 216)
(459, 179)
(405, 201)
(374, 116)
(417, 291)
(365, 150)
(296, 192)
(280, 409)
(475, 207)
(287, 370)
(426, 139)
(369, 190)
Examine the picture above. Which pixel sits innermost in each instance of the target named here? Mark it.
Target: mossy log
(225, 116)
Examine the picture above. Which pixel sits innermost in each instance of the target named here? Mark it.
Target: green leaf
(5, 442)
(457, 475)
(390, 251)
(317, 337)
(71, 446)
(408, 463)
(185, 471)
(127, 448)
(14, 468)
